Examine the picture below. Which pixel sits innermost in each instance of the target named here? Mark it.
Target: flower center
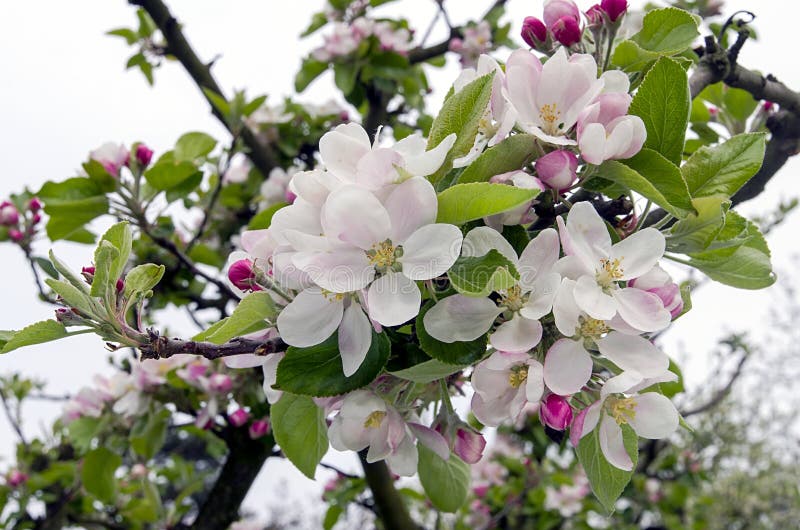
(331, 296)
(384, 256)
(591, 328)
(513, 298)
(375, 419)
(610, 271)
(549, 115)
(623, 410)
(518, 375)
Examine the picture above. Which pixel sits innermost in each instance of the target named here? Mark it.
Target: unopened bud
(469, 445)
(534, 32)
(595, 16)
(614, 8)
(566, 31)
(243, 276)
(220, 383)
(554, 10)
(556, 412)
(138, 471)
(16, 478)
(239, 417)
(557, 170)
(259, 428)
(15, 235)
(9, 216)
(143, 155)
(34, 205)
(36, 219)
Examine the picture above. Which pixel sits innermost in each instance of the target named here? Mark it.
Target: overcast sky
(65, 91)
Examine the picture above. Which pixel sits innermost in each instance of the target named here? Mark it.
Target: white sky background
(65, 91)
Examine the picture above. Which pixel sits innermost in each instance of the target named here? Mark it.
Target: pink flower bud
(259, 428)
(456, 45)
(88, 273)
(17, 478)
(36, 219)
(567, 31)
(557, 170)
(15, 235)
(220, 383)
(480, 490)
(9, 216)
(239, 417)
(554, 10)
(768, 106)
(138, 471)
(534, 32)
(34, 205)
(595, 16)
(120, 285)
(143, 155)
(68, 317)
(614, 8)
(242, 275)
(555, 412)
(469, 445)
(713, 111)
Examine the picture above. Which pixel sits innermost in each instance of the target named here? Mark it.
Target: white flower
(504, 383)
(598, 266)
(111, 156)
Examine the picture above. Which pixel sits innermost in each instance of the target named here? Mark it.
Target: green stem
(446, 396)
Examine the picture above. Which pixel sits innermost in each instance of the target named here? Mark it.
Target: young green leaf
(667, 31)
(149, 433)
(119, 235)
(662, 191)
(446, 482)
(254, 310)
(724, 168)
(466, 202)
(607, 481)
(428, 371)
(104, 257)
(142, 278)
(38, 333)
(168, 174)
(300, 429)
(480, 276)
(73, 296)
(695, 232)
(664, 176)
(510, 154)
(97, 473)
(193, 145)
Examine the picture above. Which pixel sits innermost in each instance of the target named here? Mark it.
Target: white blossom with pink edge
(522, 214)
(598, 267)
(651, 415)
(111, 156)
(463, 318)
(504, 383)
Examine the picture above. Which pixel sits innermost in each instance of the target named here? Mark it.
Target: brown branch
(391, 507)
(13, 419)
(720, 395)
(260, 154)
(160, 347)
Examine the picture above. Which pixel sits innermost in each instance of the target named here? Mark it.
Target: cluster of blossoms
(20, 226)
(346, 38)
(113, 157)
(562, 22)
(476, 41)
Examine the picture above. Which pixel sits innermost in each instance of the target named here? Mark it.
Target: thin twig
(12, 418)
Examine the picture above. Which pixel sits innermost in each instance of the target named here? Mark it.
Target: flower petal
(639, 252)
(542, 295)
(590, 298)
(430, 251)
(534, 385)
(270, 370)
(587, 235)
(246, 360)
(340, 271)
(633, 353)
(612, 444)
(403, 461)
(567, 367)
(565, 311)
(355, 337)
(342, 148)
(393, 299)
(641, 309)
(655, 416)
(356, 216)
(411, 205)
(427, 162)
(539, 257)
(431, 439)
(309, 319)
(460, 318)
(479, 241)
(516, 335)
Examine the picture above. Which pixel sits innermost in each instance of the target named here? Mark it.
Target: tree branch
(260, 154)
(160, 347)
(723, 392)
(13, 419)
(390, 505)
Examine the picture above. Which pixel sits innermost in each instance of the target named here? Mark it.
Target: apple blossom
(16, 478)
(522, 214)
(651, 415)
(567, 499)
(557, 169)
(16, 235)
(595, 16)
(268, 364)
(238, 417)
(555, 412)
(614, 8)
(659, 282)
(238, 169)
(34, 205)
(599, 267)
(143, 155)
(477, 40)
(534, 33)
(242, 275)
(259, 428)
(503, 384)
(567, 31)
(111, 156)
(9, 216)
(469, 444)
(555, 10)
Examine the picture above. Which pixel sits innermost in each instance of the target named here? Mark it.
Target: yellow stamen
(375, 419)
(550, 115)
(518, 375)
(591, 328)
(513, 298)
(623, 410)
(382, 255)
(331, 296)
(610, 271)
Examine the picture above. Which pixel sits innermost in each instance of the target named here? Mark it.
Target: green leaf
(458, 353)
(607, 481)
(332, 516)
(317, 21)
(480, 276)
(696, 232)
(446, 482)
(46, 266)
(218, 102)
(665, 176)
(97, 473)
(38, 333)
(723, 169)
(72, 296)
(142, 278)
(121, 237)
(510, 154)
(621, 173)
(428, 371)
(466, 202)
(317, 371)
(130, 36)
(631, 57)
(254, 309)
(193, 145)
(460, 114)
(310, 70)
(663, 103)
(345, 76)
(167, 174)
(669, 30)
(77, 281)
(104, 257)
(83, 430)
(739, 103)
(300, 429)
(149, 433)
(71, 204)
(749, 266)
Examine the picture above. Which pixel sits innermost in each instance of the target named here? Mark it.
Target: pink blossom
(555, 10)
(143, 155)
(659, 282)
(239, 417)
(534, 32)
(243, 276)
(34, 205)
(469, 444)
(259, 428)
(558, 169)
(614, 8)
(220, 383)
(15, 235)
(595, 16)
(16, 478)
(9, 216)
(566, 31)
(111, 156)
(556, 412)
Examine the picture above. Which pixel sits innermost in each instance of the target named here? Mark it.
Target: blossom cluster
(476, 41)
(20, 225)
(346, 38)
(562, 22)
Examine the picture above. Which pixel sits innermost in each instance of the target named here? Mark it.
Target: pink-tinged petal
(460, 318)
(592, 143)
(591, 298)
(430, 251)
(428, 162)
(642, 310)
(252, 239)
(576, 429)
(542, 295)
(377, 168)
(620, 325)
(523, 71)
(247, 360)
(620, 383)
(503, 360)
(341, 271)
(270, 370)
(567, 367)
(539, 257)
(342, 148)
(534, 385)
(633, 353)
(639, 252)
(491, 383)
(612, 444)
(393, 299)
(479, 241)
(548, 138)
(469, 445)
(638, 137)
(565, 311)
(516, 335)
(355, 337)
(411, 205)
(313, 186)
(403, 461)
(588, 235)
(655, 416)
(356, 216)
(491, 413)
(431, 439)
(301, 216)
(590, 417)
(309, 319)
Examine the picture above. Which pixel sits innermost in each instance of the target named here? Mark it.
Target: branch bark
(164, 347)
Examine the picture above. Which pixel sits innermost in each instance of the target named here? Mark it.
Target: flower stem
(446, 396)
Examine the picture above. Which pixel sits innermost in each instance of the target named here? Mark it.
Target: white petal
(633, 353)
(377, 168)
(270, 370)
(639, 252)
(612, 445)
(586, 421)
(587, 234)
(342, 148)
(460, 318)
(479, 241)
(431, 439)
(427, 163)
(642, 310)
(516, 335)
(565, 311)
(430, 251)
(356, 216)
(355, 337)
(393, 299)
(590, 298)
(491, 413)
(623, 382)
(655, 416)
(615, 81)
(567, 367)
(538, 257)
(592, 143)
(542, 295)
(403, 461)
(309, 319)
(247, 360)
(411, 205)
(534, 385)
(340, 271)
